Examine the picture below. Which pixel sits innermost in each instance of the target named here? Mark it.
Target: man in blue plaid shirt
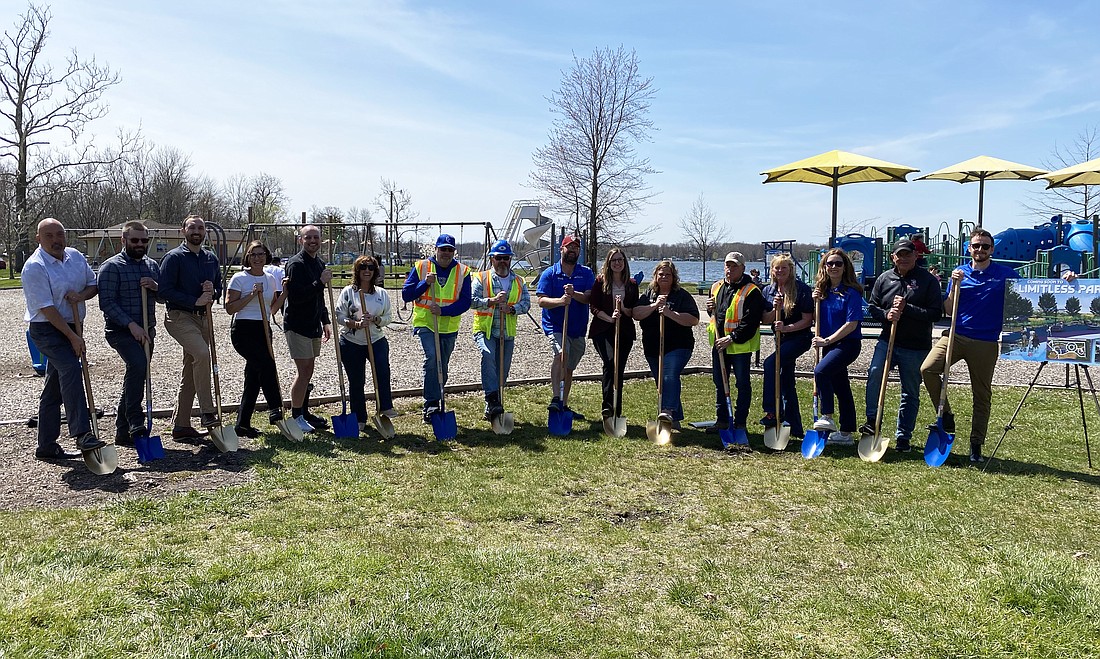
(121, 279)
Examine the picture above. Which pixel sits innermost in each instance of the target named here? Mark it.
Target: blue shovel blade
(813, 444)
(740, 437)
(726, 435)
(345, 426)
(445, 426)
(938, 448)
(560, 423)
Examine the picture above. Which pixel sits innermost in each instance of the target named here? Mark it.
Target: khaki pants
(981, 360)
(191, 331)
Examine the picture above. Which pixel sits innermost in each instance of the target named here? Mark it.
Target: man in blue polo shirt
(565, 282)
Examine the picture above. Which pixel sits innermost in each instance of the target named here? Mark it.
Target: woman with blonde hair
(613, 297)
(666, 298)
(791, 316)
(841, 299)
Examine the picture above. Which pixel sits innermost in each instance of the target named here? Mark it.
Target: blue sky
(448, 99)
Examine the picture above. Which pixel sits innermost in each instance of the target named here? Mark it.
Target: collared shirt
(47, 280)
(982, 305)
(182, 273)
(305, 312)
(120, 290)
(552, 284)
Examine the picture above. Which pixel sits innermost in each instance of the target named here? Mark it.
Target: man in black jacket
(911, 297)
(306, 321)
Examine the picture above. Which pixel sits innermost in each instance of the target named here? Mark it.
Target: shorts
(575, 349)
(302, 347)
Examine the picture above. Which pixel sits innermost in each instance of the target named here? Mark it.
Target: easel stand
(1080, 399)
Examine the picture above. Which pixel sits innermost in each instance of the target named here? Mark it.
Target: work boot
(493, 406)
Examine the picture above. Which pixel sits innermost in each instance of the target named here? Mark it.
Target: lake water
(689, 270)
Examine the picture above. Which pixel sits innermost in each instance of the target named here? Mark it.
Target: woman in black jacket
(613, 296)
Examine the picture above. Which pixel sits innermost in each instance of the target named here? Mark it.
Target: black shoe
(185, 432)
(52, 452)
(577, 416)
(275, 417)
(948, 424)
(246, 431)
(768, 421)
(317, 422)
(903, 446)
(867, 429)
(555, 405)
(209, 420)
(89, 442)
(123, 439)
(976, 454)
(717, 428)
(431, 408)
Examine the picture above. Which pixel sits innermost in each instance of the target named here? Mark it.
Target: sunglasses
(446, 249)
(369, 266)
(139, 241)
(981, 246)
(502, 258)
(834, 264)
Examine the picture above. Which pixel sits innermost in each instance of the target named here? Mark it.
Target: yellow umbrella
(1087, 173)
(981, 169)
(837, 168)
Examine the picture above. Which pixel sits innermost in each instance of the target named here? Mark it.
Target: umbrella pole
(836, 185)
(981, 200)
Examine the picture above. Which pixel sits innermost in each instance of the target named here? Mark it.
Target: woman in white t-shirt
(253, 292)
(353, 337)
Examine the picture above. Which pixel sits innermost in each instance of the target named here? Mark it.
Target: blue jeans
(355, 358)
(908, 363)
(675, 361)
(432, 389)
(739, 364)
(790, 350)
(130, 415)
(831, 375)
(490, 361)
(64, 385)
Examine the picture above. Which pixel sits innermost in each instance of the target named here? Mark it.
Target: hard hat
(500, 248)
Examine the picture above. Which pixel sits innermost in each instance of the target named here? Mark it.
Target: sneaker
(316, 421)
(430, 410)
(825, 424)
(209, 420)
(362, 427)
(867, 429)
(555, 405)
(391, 413)
(976, 454)
(274, 417)
(123, 438)
(903, 445)
(664, 416)
(303, 424)
(89, 442)
(768, 421)
(840, 439)
(948, 424)
(577, 416)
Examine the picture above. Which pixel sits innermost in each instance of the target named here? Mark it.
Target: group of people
(575, 302)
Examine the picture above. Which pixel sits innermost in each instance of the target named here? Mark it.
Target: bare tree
(590, 168)
(701, 229)
(1077, 202)
(43, 107)
(267, 198)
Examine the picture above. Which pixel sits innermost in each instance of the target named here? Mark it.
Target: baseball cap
(903, 245)
(445, 240)
(569, 240)
(735, 257)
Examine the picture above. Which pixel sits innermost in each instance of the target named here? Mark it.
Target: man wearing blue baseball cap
(439, 287)
(497, 291)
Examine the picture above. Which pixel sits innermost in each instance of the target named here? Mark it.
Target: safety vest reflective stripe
(483, 318)
(445, 294)
(734, 313)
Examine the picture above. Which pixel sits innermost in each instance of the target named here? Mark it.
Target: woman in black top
(665, 297)
(613, 285)
(792, 315)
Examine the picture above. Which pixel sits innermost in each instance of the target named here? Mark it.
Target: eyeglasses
(502, 258)
(139, 241)
(834, 264)
(618, 259)
(981, 246)
(369, 266)
(446, 249)
(260, 255)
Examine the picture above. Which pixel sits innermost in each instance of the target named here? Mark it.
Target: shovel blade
(659, 432)
(615, 426)
(503, 423)
(384, 426)
(345, 426)
(101, 461)
(813, 444)
(560, 423)
(727, 438)
(149, 448)
(445, 426)
(938, 448)
(225, 439)
(290, 429)
(777, 438)
(871, 448)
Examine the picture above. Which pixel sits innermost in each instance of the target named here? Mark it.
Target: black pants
(259, 369)
(605, 348)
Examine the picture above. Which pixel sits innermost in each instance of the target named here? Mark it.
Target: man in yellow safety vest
(497, 291)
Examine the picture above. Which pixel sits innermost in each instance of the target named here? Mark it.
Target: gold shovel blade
(777, 438)
(872, 447)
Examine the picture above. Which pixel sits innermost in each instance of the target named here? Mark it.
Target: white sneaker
(840, 439)
(825, 424)
(303, 424)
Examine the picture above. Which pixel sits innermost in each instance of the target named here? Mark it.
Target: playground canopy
(1086, 173)
(981, 169)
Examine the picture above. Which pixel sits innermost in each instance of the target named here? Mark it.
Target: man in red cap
(565, 283)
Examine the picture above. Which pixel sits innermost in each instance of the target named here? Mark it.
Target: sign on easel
(1051, 320)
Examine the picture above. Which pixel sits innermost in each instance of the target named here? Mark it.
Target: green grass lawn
(538, 546)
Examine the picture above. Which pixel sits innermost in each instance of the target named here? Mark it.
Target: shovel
(288, 427)
(872, 447)
(225, 438)
(660, 431)
(727, 435)
(381, 421)
(444, 423)
(814, 442)
(503, 423)
(561, 423)
(615, 426)
(150, 446)
(777, 437)
(103, 460)
(938, 447)
(344, 425)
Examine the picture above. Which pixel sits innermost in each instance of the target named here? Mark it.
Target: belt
(200, 311)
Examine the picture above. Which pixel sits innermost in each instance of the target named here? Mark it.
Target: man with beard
(121, 280)
(189, 283)
(306, 321)
(440, 287)
(565, 283)
(54, 277)
(494, 293)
